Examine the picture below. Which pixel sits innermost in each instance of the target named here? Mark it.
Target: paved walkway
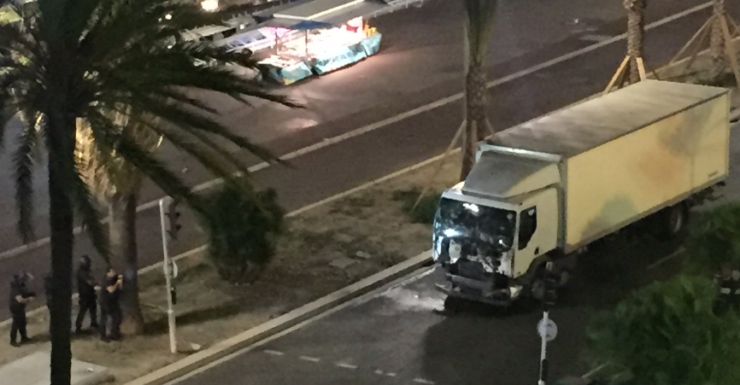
(34, 370)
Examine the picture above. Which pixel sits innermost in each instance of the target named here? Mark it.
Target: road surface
(397, 337)
(420, 64)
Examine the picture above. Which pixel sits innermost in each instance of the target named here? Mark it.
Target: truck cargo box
(628, 154)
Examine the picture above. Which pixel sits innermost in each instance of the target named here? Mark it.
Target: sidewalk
(34, 370)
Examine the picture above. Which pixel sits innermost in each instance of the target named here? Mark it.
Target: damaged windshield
(495, 227)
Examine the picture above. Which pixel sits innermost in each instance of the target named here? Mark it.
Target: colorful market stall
(318, 37)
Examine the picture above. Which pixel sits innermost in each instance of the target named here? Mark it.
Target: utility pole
(547, 328)
(171, 233)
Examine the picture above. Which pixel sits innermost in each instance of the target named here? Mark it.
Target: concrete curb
(282, 323)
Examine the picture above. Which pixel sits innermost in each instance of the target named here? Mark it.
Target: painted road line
(310, 359)
(372, 294)
(423, 381)
(346, 366)
(395, 119)
(274, 353)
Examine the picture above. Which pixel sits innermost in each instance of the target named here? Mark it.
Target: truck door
(537, 229)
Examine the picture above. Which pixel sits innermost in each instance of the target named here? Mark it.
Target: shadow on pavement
(481, 345)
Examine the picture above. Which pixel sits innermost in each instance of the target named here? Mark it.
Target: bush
(424, 211)
(242, 229)
(668, 333)
(714, 240)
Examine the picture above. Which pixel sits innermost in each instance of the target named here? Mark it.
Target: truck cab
(491, 232)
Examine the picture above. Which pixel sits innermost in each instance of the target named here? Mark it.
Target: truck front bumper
(478, 291)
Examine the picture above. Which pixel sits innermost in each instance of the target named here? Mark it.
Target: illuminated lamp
(209, 5)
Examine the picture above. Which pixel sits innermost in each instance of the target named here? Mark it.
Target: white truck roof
(579, 128)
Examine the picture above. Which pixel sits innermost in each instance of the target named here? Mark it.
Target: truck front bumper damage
(478, 291)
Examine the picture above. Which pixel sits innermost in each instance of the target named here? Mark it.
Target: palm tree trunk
(479, 21)
(123, 245)
(717, 38)
(476, 98)
(635, 35)
(60, 144)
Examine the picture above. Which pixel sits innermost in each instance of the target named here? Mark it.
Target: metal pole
(168, 279)
(545, 320)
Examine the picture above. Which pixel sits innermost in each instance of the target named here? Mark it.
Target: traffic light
(173, 295)
(173, 217)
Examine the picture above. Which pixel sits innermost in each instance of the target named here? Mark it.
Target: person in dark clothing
(19, 297)
(110, 306)
(49, 291)
(87, 300)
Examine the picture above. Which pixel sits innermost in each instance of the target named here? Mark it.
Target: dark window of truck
(527, 226)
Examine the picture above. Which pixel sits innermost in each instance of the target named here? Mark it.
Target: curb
(270, 328)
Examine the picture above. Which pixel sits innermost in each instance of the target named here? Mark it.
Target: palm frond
(108, 136)
(23, 161)
(91, 218)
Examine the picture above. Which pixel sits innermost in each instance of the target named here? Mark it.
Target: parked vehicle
(546, 189)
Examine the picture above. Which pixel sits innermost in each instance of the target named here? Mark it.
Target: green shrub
(714, 240)
(242, 228)
(667, 334)
(424, 211)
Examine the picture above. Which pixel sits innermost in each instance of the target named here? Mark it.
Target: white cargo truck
(544, 190)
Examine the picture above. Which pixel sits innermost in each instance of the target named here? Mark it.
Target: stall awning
(316, 9)
(279, 22)
(243, 39)
(363, 9)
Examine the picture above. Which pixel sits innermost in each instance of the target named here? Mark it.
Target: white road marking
(391, 374)
(274, 353)
(379, 372)
(423, 381)
(597, 38)
(309, 359)
(346, 366)
(395, 119)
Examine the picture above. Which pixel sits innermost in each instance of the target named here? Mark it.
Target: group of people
(91, 294)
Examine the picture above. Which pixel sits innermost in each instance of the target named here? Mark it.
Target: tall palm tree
(116, 184)
(635, 35)
(717, 37)
(93, 60)
(478, 24)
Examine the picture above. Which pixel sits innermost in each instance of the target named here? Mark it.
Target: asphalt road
(399, 337)
(419, 64)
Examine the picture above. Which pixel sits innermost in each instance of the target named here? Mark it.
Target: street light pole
(168, 279)
(546, 327)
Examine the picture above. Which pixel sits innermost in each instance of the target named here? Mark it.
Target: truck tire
(672, 222)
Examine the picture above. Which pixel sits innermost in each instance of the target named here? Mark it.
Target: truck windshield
(463, 219)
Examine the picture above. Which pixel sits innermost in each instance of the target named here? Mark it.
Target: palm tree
(116, 184)
(717, 37)
(635, 36)
(91, 61)
(478, 25)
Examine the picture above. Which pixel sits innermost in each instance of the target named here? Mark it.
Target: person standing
(110, 306)
(87, 300)
(19, 297)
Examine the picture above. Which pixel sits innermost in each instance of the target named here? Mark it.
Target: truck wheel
(674, 220)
